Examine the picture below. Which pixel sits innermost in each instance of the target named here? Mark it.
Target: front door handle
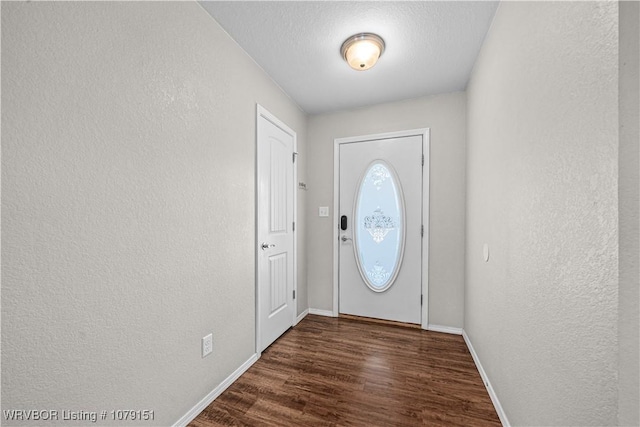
(266, 246)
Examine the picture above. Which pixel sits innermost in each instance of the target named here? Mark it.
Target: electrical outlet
(207, 345)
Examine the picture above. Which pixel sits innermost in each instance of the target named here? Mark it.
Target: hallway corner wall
(542, 172)
(128, 206)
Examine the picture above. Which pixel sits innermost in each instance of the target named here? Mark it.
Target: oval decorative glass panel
(379, 226)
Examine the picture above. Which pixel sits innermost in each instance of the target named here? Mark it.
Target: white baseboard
(487, 383)
(206, 401)
(302, 316)
(327, 313)
(445, 329)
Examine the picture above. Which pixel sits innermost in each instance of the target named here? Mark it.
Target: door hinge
(421, 299)
(294, 294)
(422, 230)
(294, 226)
(294, 155)
(423, 160)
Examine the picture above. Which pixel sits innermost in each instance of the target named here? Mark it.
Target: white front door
(275, 222)
(380, 236)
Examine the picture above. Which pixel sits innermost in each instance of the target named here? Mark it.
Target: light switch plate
(323, 211)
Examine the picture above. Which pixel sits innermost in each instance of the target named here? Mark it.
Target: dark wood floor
(329, 371)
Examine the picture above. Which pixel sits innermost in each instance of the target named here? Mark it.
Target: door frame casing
(425, 133)
(265, 114)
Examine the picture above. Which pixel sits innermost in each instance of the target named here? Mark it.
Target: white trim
(327, 313)
(295, 228)
(336, 226)
(492, 394)
(301, 316)
(444, 329)
(263, 112)
(213, 394)
(426, 144)
(426, 152)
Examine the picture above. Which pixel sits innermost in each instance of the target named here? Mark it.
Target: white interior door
(380, 237)
(275, 222)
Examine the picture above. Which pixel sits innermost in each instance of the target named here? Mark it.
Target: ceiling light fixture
(361, 51)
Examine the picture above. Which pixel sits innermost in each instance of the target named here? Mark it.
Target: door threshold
(380, 321)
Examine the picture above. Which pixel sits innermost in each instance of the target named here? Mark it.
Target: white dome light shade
(362, 51)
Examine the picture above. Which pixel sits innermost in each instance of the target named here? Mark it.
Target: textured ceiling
(430, 46)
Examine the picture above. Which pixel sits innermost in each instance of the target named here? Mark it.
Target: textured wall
(542, 170)
(445, 115)
(128, 152)
(629, 163)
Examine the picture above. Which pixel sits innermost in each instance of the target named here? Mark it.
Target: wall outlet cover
(207, 345)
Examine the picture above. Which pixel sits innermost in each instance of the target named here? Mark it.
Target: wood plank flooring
(335, 371)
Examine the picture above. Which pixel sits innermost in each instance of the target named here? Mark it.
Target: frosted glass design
(379, 226)
(379, 173)
(378, 275)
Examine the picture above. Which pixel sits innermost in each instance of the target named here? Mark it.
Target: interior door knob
(266, 246)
